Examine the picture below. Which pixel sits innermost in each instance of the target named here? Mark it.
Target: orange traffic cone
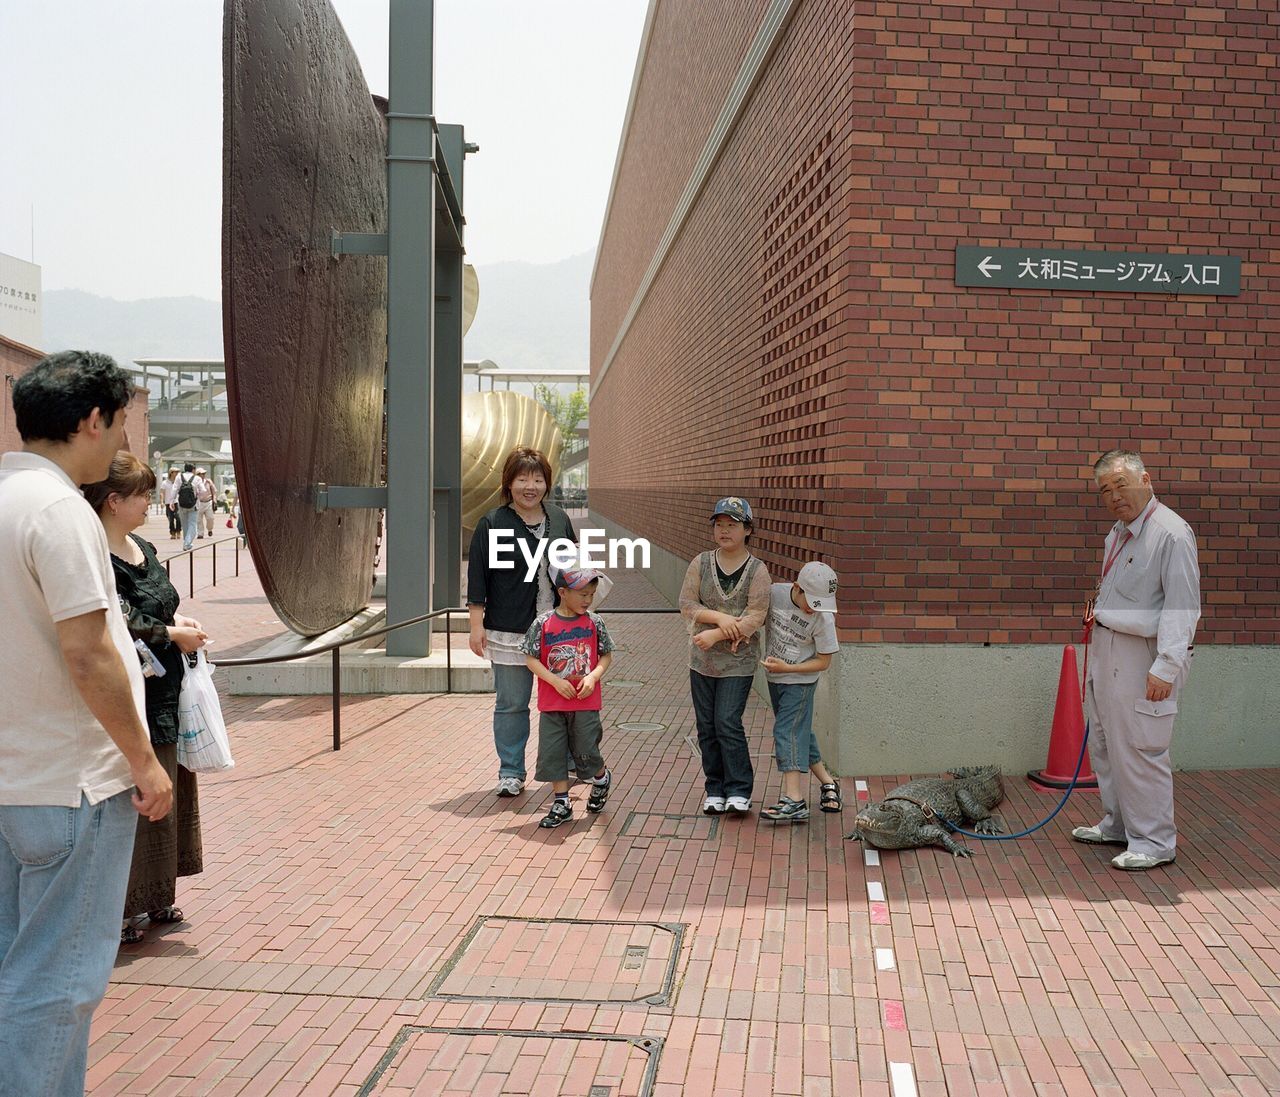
(1067, 735)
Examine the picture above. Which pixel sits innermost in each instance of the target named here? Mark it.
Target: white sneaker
(1093, 836)
(1138, 862)
(738, 805)
(713, 805)
(510, 786)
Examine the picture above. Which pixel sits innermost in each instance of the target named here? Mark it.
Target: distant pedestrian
(569, 651)
(187, 502)
(802, 639)
(205, 495)
(503, 602)
(76, 762)
(725, 598)
(169, 497)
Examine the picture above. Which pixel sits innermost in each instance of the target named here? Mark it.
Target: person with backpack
(187, 513)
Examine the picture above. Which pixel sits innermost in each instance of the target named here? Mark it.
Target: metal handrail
(190, 554)
(335, 649)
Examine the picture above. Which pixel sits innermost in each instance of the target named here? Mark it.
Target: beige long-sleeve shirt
(748, 598)
(1153, 587)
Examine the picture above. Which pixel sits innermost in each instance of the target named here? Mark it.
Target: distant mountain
(155, 327)
(533, 315)
(530, 316)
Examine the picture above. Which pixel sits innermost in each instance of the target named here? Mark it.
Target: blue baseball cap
(736, 508)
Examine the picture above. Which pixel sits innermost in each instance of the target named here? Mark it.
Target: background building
(775, 313)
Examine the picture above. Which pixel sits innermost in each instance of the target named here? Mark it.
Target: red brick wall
(15, 360)
(806, 344)
(694, 53)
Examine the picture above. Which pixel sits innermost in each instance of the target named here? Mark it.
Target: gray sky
(112, 130)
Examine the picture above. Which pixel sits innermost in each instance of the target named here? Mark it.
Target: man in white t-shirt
(204, 503)
(802, 639)
(73, 734)
(169, 497)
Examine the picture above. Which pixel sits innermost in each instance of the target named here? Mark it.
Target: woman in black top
(170, 848)
(503, 604)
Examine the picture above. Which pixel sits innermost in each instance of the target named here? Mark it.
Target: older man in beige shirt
(1145, 618)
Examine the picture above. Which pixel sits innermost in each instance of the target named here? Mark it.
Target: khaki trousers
(1129, 739)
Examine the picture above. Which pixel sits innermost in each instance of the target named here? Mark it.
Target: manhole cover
(641, 725)
(652, 824)
(624, 683)
(563, 960)
(466, 1061)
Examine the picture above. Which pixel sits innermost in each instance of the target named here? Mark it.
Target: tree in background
(568, 410)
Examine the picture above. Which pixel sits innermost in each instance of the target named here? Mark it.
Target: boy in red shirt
(568, 650)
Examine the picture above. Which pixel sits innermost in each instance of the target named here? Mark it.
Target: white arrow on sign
(987, 266)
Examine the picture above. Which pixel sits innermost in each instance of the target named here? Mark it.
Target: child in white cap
(802, 639)
(568, 649)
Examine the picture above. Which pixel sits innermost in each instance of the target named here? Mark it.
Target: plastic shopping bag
(203, 746)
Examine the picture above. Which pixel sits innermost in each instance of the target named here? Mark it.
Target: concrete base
(923, 708)
(363, 668)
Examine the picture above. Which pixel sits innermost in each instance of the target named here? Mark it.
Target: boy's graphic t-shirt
(796, 636)
(569, 647)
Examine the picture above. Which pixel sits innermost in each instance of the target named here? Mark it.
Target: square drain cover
(563, 960)
(444, 1062)
(652, 824)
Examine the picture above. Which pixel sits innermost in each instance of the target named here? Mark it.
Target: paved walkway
(376, 921)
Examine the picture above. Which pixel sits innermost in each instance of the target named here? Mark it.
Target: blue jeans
(718, 704)
(63, 874)
(512, 687)
(794, 744)
(190, 520)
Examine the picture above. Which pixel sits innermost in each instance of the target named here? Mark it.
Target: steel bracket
(338, 497)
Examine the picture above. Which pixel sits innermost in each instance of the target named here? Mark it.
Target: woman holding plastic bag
(170, 848)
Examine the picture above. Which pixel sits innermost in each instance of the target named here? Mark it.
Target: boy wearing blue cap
(568, 649)
(724, 598)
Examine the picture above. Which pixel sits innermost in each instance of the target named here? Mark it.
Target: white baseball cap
(818, 581)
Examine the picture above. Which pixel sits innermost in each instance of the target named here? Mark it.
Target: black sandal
(131, 935)
(165, 916)
(830, 799)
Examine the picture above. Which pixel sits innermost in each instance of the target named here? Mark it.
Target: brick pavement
(377, 921)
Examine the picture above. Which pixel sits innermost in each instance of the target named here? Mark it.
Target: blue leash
(1084, 745)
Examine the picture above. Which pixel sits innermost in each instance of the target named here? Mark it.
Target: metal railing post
(337, 699)
(237, 556)
(448, 652)
(191, 582)
(214, 549)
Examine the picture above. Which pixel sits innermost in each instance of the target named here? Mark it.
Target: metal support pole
(237, 556)
(448, 394)
(337, 698)
(411, 191)
(191, 574)
(448, 653)
(214, 549)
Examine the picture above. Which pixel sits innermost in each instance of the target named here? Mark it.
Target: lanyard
(1128, 536)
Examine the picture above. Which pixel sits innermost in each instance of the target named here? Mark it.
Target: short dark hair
(59, 392)
(524, 459)
(128, 476)
(188, 467)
